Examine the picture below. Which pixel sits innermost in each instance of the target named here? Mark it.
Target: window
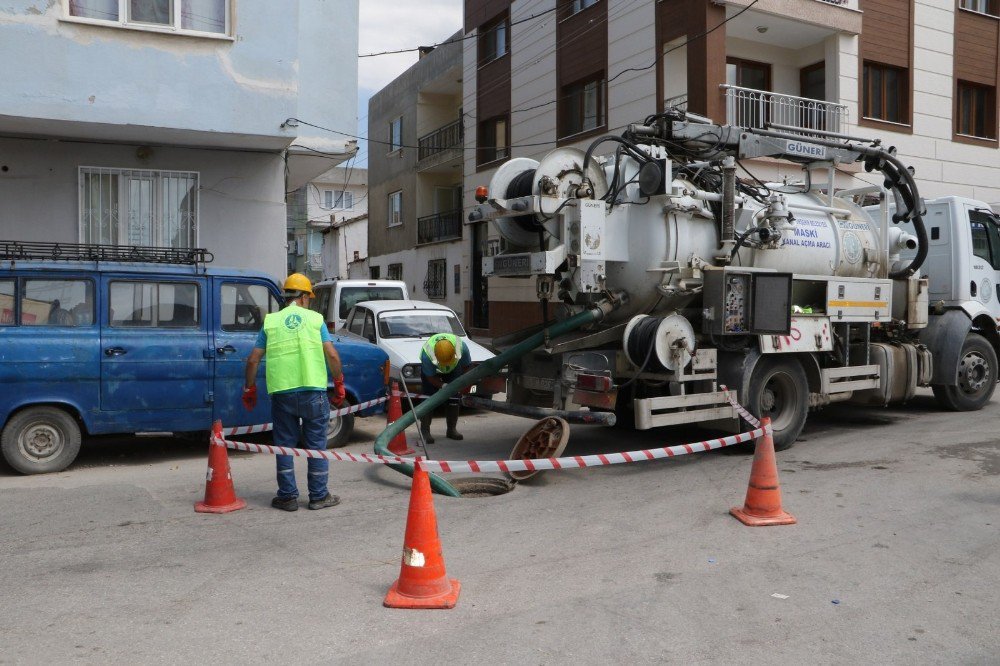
(493, 140)
(991, 7)
(50, 303)
(396, 134)
(395, 272)
(437, 279)
(356, 325)
(125, 207)
(338, 199)
(886, 93)
(975, 113)
(580, 5)
(244, 306)
(154, 304)
(368, 331)
(493, 40)
(418, 323)
(458, 279)
(985, 238)
(209, 17)
(6, 302)
(395, 209)
(374, 272)
(582, 106)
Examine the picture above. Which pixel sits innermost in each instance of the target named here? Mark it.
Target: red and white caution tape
(527, 465)
(265, 427)
(740, 409)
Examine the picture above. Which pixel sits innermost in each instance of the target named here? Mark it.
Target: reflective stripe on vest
(295, 350)
(428, 349)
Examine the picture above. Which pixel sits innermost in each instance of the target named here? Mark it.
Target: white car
(401, 328)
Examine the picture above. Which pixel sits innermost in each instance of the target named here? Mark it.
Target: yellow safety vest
(295, 350)
(428, 349)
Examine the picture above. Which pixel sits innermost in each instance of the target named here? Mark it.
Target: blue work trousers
(300, 421)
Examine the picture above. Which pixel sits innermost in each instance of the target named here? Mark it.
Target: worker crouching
(443, 359)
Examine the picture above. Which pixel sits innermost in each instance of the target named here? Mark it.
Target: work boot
(329, 500)
(425, 428)
(451, 417)
(286, 503)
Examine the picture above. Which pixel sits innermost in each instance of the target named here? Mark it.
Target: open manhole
(482, 486)
(545, 439)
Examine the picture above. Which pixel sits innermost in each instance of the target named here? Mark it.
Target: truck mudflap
(681, 409)
(944, 337)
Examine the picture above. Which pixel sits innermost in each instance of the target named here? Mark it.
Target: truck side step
(850, 378)
(678, 409)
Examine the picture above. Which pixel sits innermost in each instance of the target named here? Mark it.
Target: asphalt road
(895, 559)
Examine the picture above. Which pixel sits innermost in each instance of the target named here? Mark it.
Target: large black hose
(899, 179)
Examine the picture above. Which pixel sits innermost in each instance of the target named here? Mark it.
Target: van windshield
(351, 296)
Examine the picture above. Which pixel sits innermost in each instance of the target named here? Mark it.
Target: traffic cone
(398, 445)
(763, 502)
(422, 582)
(220, 496)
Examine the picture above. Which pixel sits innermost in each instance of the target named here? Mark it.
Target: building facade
(415, 162)
(339, 210)
(922, 75)
(171, 122)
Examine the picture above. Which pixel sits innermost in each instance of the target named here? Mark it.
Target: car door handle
(115, 351)
(228, 349)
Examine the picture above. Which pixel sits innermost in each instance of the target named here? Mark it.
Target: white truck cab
(335, 298)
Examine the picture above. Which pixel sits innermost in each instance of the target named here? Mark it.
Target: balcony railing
(439, 227)
(449, 136)
(755, 109)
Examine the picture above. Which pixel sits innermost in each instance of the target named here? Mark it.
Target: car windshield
(417, 324)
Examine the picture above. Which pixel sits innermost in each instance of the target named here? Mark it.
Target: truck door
(984, 272)
(156, 373)
(238, 315)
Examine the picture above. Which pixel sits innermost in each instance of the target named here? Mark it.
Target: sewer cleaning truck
(703, 285)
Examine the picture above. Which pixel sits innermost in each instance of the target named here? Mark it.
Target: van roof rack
(19, 250)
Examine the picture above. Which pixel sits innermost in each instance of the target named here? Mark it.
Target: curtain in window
(99, 207)
(150, 11)
(204, 15)
(105, 10)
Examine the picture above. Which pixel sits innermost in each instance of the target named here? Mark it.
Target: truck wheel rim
(40, 441)
(776, 400)
(974, 373)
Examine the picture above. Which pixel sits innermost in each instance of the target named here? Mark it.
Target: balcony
(441, 147)
(755, 109)
(439, 227)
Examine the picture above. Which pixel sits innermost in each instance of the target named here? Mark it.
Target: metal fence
(755, 109)
(440, 226)
(449, 136)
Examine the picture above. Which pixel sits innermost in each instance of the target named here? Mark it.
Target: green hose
(484, 369)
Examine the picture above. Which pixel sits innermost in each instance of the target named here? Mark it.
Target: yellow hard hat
(444, 352)
(298, 282)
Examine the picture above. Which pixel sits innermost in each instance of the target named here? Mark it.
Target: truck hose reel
(659, 344)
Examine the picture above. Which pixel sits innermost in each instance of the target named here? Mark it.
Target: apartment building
(922, 75)
(177, 123)
(415, 166)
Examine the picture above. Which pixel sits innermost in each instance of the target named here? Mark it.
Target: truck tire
(339, 430)
(977, 377)
(778, 389)
(40, 440)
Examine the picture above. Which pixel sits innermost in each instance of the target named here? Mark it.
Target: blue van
(92, 346)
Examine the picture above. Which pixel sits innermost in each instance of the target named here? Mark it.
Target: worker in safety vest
(299, 351)
(443, 359)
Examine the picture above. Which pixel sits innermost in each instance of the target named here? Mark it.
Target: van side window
(155, 304)
(57, 303)
(322, 301)
(244, 306)
(6, 302)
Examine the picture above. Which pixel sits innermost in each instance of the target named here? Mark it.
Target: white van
(335, 298)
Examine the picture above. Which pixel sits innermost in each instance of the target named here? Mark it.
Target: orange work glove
(339, 394)
(250, 398)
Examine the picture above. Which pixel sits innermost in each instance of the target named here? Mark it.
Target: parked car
(335, 298)
(401, 328)
(124, 347)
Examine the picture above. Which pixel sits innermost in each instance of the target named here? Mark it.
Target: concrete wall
(241, 210)
(340, 244)
(415, 271)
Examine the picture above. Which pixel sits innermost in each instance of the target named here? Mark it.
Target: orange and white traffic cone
(220, 496)
(763, 503)
(398, 445)
(422, 582)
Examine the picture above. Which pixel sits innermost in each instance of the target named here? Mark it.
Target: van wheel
(779, 389)
(977, 377)
(339, 430)
(40, 440)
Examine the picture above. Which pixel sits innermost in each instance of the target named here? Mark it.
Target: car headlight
(409, 371)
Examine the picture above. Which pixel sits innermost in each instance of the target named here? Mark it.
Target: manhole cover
(482, 486)
(546, 439)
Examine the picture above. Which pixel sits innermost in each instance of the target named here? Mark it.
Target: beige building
(921, 75)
